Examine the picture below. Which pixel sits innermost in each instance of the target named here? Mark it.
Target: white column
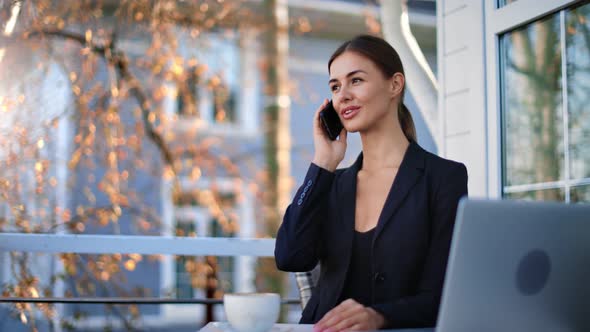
(244, 273)
(62, 155)
(420, 79)
(167, 262)
(248, 111)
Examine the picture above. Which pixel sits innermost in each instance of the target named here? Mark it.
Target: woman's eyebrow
(348, 75)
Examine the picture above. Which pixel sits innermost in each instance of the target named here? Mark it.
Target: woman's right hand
(328, 154)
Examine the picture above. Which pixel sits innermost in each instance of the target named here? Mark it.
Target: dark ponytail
(388, 61)
(407, 122)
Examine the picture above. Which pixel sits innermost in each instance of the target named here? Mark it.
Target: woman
(381, 228)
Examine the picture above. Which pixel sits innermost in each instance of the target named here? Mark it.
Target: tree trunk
(538, 60)
(277, 121)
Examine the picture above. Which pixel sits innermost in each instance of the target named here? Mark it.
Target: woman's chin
(353, 128)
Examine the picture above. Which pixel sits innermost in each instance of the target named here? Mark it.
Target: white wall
(462, 87)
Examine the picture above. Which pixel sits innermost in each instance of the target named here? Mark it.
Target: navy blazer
(410, 245)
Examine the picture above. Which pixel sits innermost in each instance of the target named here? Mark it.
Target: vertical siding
(462, 87)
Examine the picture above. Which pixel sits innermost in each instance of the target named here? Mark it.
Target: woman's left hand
(350, 316)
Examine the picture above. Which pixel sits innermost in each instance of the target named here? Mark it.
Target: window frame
(498, 21)
(246, 122)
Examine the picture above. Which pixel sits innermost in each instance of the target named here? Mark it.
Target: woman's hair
(388, 61)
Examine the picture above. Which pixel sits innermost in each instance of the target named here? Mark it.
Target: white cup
(252, 312)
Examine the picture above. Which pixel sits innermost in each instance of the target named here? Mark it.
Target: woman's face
(361, 94)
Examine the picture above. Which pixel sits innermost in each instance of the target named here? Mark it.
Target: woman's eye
(356, 80)
(334, 88)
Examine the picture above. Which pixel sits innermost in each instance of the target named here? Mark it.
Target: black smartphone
(330, 121)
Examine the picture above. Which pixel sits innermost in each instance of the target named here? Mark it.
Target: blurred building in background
(511, 105)
(202, 92)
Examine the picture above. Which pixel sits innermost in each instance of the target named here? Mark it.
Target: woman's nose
(344, 95)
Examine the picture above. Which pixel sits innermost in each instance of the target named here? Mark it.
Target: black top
(358, 281)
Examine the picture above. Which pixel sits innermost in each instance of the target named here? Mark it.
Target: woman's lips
(349, 112)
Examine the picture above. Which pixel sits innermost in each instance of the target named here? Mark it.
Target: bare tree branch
(81, 263)
(118, 59)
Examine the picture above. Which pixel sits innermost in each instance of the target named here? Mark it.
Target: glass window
(224, 73)
(557, 195)
(578, 87)
(188, 95)
(532, 100)
(210, 87)
(224, 103)
(225, 264)
(545, 113)
(223, 227)
(185, 264)
(580, 194)
(212, 274)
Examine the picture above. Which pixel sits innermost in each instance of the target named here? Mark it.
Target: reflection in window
(580, 194)
(539, 195)
(538, 97)
(532, 112)
(578, 85)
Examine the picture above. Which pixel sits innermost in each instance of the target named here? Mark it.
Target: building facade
(511, 75)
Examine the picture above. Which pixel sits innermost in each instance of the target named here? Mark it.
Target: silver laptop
(518, 266)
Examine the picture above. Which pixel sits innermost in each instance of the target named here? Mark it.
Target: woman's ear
(397, 83)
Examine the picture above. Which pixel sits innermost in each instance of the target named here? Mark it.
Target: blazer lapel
(410, 170)
(347, 197)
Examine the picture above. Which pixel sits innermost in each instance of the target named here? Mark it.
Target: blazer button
(379, 277)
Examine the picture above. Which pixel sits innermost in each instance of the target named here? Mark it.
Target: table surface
(224, 327)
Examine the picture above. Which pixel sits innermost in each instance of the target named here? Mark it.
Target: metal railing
(122, 244)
